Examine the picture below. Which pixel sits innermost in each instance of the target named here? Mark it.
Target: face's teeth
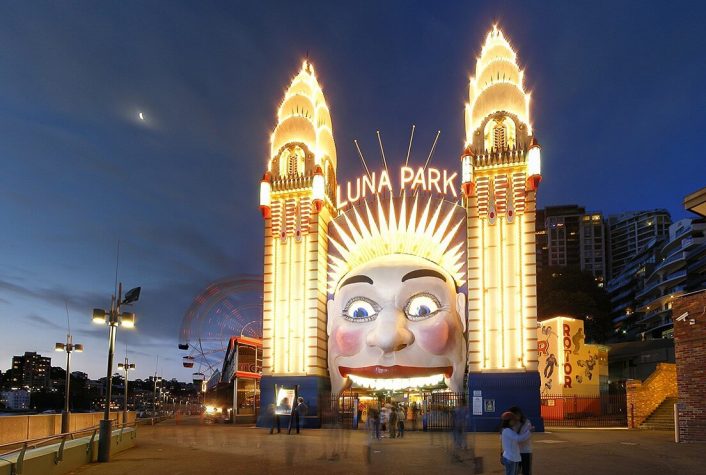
(396, 384)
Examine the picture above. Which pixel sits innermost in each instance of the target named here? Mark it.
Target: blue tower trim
(498, 392)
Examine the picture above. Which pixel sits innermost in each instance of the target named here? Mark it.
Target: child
(510, 441)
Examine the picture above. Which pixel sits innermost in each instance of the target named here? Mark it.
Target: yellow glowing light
(534, 161)
(422, 179)
(304, 117)
(318, 187)
(497, 85)
(265, 193)
(481, 287)
(396, 384)
(395, 231)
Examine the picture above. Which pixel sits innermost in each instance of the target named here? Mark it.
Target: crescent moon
(142, 117)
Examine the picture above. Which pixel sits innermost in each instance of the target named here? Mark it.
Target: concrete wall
(43, 460)
(19, 428)
(644, 397)
(690, 348)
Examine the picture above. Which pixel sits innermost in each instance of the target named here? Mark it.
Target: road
(191, 447)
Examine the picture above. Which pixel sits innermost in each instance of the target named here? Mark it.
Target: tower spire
(497, 84)
(297, 199)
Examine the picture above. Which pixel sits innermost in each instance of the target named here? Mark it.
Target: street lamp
(126, 366)
(154, 396)
(112, 318)
(68, 347)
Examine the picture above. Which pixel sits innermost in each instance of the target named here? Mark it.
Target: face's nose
(390, 332)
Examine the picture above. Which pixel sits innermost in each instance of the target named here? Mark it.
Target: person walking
(273, 418)
(376, 422)
(302, 411)
(415, 415)
(401, 416)
(392, 422)
(299, 410)
(525, 446)
(384, 417)
(373, 425)
(293, 417)
(510, 456)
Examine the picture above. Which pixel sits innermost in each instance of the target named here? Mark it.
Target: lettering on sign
(429, 179)
(567, 355)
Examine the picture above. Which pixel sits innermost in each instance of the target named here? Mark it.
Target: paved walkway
(192, 448)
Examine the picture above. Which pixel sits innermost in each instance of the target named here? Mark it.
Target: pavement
(191, 447)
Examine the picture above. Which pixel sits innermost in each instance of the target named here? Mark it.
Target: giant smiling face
(396, 322)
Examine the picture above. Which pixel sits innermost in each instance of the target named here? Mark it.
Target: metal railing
(20, 447)
(151, 420)
(604, 410)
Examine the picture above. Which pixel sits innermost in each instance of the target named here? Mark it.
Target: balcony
(670, 279)
(677, 257)
(653, 314)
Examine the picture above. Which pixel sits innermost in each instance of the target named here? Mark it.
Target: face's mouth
(396, 371)
(396, 377)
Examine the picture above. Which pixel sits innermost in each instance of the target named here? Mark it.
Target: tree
(572, 293)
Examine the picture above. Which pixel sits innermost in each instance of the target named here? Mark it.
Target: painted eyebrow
(356, 279)
(423, 273)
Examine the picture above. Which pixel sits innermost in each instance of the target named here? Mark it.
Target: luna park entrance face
(422, 410)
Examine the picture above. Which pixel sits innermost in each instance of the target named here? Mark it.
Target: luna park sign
(428, 179)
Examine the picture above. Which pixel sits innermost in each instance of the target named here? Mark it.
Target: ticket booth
(243, 366)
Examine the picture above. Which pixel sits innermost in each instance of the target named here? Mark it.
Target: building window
(292, 165)
(500, 141)
(291, 162)
(499, 134)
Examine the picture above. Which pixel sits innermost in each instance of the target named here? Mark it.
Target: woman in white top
(510, 441)
(526, 446)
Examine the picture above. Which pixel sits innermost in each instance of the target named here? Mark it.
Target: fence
(22, 427)
(340, 410)
(605, 410)
(438, 410)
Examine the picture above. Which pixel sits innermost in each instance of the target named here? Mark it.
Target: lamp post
(126, 366)
(68, 347)
(112, 318)
(154, 396)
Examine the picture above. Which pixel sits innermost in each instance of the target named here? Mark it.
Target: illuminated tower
(500, 175)
(297, 200)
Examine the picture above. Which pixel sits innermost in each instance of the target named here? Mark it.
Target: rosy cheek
(434, 337)
(348, 340)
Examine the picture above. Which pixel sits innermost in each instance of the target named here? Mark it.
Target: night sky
(617, 103)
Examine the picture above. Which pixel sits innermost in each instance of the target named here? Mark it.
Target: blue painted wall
(504, 390)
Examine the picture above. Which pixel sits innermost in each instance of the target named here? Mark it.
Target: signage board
(284, 397)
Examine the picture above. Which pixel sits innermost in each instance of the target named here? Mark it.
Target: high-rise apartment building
(31, 371)
(680, 269)
(629, 233)
(567, 236)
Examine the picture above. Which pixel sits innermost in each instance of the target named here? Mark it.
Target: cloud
(44, 322)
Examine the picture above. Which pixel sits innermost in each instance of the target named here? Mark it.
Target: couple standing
(516, 436)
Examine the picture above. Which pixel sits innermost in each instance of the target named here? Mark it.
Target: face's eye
(422, 306)
(360, 309)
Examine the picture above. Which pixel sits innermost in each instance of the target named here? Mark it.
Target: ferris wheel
(226, 308)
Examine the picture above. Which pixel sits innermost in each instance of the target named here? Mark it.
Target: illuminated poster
(567, 364)
(284, 400)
